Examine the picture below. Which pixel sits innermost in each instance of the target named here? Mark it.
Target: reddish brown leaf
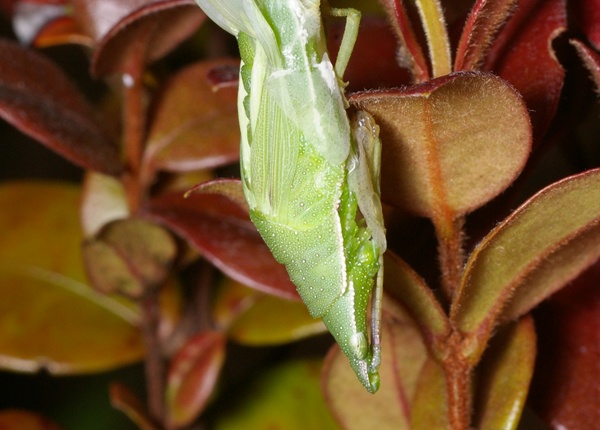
(403, 355)
(565, 389)
(192, 376)
(522, 54)
(449, 145)
(30, 17)
(373, 62)
(479, 31)
(591, 60)
(411, 52)
(587, 15)
(61, 31)
(195, 124)
(223, 187)
(6, 6)
(39, 99)
(135, 32)
(13, 419)
(123, 399)
(222, 231)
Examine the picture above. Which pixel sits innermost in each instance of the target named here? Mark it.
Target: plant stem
(451, 254)
(457, 369)
(133, 135)
(458, 373)
(134, 114)
(155, 372)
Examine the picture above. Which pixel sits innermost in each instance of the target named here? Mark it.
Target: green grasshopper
(310, 173)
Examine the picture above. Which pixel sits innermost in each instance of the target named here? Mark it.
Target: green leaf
(50, 321)
(406, 286)
(480, 30)
(272, 320)
(543, 245)
(410, 53)
(254, 318)
(286, 397)
(449, 145)
(430, 410)
(230, 188)
(49, 317)
(504, 377)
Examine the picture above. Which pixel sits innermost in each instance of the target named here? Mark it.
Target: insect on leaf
(310, 171)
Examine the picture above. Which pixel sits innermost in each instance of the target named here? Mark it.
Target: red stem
(133, 136)
(155, 367)
(458, 372)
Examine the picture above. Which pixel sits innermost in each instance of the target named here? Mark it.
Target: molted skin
(310, 176)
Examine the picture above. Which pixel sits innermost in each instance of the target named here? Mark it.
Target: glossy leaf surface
(130, 34)
(272, 320)
(254, 318)
(587, 14)
(49, 317)
(195, 125)
(192, 376)
(449, 145)
(221, 230)
(40, 100)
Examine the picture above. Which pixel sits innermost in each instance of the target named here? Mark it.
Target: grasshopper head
(349, 328)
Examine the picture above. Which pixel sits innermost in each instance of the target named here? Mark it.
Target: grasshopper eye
(359, 345)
